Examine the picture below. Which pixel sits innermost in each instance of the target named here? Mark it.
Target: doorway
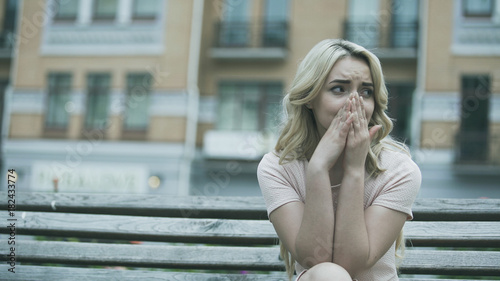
(473, 135)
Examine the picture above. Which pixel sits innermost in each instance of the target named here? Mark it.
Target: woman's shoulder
(271, 160)
(396, 159)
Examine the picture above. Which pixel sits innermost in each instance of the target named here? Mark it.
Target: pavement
(447, 181)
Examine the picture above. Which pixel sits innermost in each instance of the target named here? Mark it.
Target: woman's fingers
(339, 118)
(348, 109)
(373, 130)
(359, 109)
(363, 112)
(356, 113)
(347, 126)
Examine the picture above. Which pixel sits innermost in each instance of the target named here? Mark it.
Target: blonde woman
(338, 189)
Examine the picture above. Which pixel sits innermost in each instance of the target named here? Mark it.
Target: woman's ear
(308, 105)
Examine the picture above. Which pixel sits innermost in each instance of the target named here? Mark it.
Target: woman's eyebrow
(349, 82)
(340, 81)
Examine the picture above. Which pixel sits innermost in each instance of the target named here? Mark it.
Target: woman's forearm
(351, 246)
(314, 241)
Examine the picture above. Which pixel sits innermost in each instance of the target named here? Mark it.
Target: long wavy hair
(299, 136)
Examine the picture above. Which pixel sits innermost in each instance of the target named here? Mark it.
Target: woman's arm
(306, 229)
(361, 237)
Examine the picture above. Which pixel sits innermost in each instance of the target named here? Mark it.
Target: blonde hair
(299, 136)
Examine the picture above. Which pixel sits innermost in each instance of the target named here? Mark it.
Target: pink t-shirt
(396, 189)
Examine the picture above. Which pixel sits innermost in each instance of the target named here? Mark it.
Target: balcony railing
(64, 40)
(476, 38)
(245, 34)
(374, 34)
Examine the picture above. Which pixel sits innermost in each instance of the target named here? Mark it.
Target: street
(443, 181)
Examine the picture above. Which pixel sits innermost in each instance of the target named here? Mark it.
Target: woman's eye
(367, 92)
(337, 89)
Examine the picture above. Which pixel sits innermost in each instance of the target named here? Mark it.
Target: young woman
(338, 189)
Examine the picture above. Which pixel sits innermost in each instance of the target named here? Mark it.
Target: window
(362, 26)
(234, 30)
(477, 8)
(275, 25)
(98, 86)
(404, 28)
(145, 9)
(137, 104)
(249, 106)
(66, 10)
(399, 108)
(59, 89)
(105, 9)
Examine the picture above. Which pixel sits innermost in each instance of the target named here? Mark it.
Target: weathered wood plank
(483, 263)
(226, 231)
(225, 207)
(436, 209)
(25, 272)
(132, 228)
(92, 274)
(142, 205)
(452, 234)
(440, 262)
(155, 256)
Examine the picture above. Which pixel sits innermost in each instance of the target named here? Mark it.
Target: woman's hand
(333, 142)
(359, 136)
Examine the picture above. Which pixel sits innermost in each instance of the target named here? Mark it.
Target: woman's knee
(326, 271)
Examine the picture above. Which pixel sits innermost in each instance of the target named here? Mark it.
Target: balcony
(250, 40)
(476, 39)
(387, 41)
(73, 40)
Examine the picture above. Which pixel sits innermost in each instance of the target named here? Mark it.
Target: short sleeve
(400, 183)
(275, 183)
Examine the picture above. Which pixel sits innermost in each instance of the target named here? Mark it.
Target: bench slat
(225, 207)
(25, 272)
(233, 258)
(230, 232)
(92, 274)
(159, 256)
(437, 209)
(211, 231)
(141, 205)
(481, 263)
(452, 234)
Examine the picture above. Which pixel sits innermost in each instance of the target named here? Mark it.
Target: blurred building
(249, 56)
(98, 95)
(7, 26)
(459, 87)
(154, 96)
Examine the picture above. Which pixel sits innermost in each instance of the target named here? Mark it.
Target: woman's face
(348, 75)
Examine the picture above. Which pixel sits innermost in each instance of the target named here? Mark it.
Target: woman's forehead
(351, 69)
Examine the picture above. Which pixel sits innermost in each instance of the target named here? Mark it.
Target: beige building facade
(183, 97)
(98, 91)
(459, 85)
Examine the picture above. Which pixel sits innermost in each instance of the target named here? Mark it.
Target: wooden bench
(215, 238)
